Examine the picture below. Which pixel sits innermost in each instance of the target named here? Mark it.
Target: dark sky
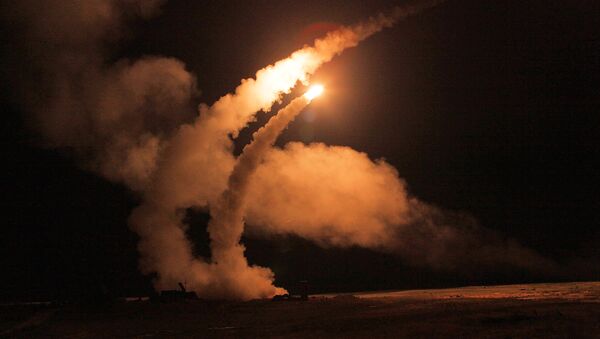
(485, 107)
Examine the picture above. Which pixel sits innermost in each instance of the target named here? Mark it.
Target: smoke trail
(132, 122)
(195, 165)
(207, 139)
(227, 224)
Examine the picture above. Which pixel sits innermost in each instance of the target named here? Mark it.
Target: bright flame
(314, 91)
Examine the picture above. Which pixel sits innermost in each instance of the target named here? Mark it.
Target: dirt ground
(566, 310)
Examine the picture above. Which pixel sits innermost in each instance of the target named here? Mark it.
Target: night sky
(488, 108)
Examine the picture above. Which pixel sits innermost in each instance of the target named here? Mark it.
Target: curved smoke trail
(127, 121)
(227, 223)
(196, 163)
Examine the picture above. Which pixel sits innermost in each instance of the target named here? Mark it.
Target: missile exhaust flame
(314, 91)
(195, 166)
(101, 111)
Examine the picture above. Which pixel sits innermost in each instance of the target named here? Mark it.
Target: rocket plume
(229, 205)
(314, 91)
(227, 223)
(195, 164)
(130, 122)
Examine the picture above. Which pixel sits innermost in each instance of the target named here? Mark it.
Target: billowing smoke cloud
(133, 122)
(115, 117)
(195, 166)
(336, 196)
(333, 195)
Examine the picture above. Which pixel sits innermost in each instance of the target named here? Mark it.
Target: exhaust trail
(133, 122)
(227, 223)
(229, 210)
(195, 164)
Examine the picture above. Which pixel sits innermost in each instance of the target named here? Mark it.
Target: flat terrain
(565, 310)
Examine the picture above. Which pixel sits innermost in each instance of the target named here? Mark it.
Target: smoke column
(195, 165)
(227, 224)
(133, 122)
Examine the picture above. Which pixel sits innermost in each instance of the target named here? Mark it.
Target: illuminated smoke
(132, 122)
(227, 223)
(195, 166)
(114, 117)
(336, 196)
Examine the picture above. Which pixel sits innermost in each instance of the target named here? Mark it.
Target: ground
(564, 310)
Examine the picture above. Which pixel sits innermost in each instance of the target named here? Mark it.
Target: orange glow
(314, 91)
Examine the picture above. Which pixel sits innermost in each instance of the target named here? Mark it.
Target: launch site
(397, 169)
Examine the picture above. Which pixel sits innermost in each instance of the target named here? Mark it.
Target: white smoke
(114, 117)
(336, 196)
(131, 121)
(227, 224)
(196, 164)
